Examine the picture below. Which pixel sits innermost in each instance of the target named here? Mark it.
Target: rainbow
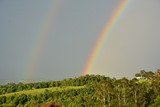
(103, 36)
(41, 38)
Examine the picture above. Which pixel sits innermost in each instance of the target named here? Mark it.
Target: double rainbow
(46, 28)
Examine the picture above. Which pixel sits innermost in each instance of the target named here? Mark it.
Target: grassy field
(36, 91)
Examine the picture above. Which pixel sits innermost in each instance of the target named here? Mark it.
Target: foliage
(86, 91)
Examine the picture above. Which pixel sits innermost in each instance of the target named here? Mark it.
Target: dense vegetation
(86, 91)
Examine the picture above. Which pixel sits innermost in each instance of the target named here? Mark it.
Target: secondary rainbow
(41, 38)
(103, 36)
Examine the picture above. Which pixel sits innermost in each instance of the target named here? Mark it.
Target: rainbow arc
(103, 36)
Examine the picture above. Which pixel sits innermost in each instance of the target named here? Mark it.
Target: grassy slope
(36, 91)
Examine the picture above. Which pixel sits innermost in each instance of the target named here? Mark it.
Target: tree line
(99, 91)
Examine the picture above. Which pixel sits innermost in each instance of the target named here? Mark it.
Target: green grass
(36, 91)
(144, 81)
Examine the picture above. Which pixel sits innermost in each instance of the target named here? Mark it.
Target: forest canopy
(85, 91)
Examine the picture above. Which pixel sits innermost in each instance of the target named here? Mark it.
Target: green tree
(104, 90)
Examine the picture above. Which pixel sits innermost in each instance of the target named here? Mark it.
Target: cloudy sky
(52, 39)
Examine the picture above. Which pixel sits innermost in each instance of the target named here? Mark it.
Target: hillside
(86, 91)
(42, 90)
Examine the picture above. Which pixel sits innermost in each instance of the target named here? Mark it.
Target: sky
(53, 39)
